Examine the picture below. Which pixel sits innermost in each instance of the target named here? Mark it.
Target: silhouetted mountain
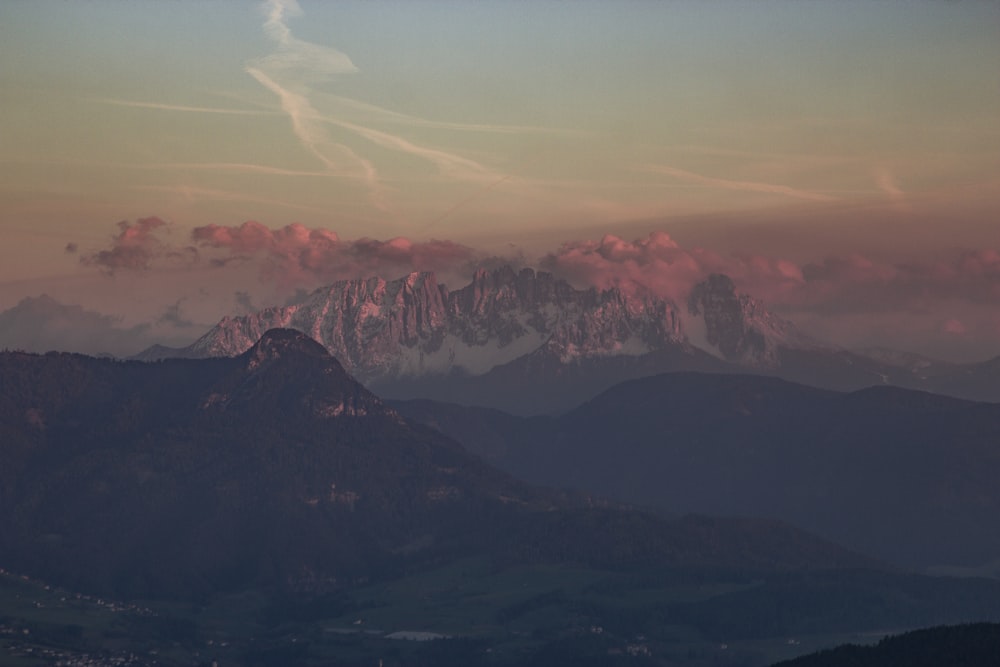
(904, 475)
(273, 467)
(972, 645)
(303, 521)
(276, 468)
(540, 383)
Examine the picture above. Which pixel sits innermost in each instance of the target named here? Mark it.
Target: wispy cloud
(448, 163)
(302, 63)
(289, 73)
(238, 167)
(389, 116)
(307, 126)
(194, 193)
(886, 181)
(303, 60)
(186, 109)
(746, 186)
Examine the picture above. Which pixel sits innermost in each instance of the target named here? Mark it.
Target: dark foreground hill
(907, 476)
(276, 468)
(973, 645)
(270, 507)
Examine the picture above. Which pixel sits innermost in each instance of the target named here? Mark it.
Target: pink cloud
(251, 237)
(924, 304)
(296, 255)
(852, 299)
(656, 262)
(859, 281)
(747, 186)
(852, 282)
(291, 256)
(135, 247)
(660, 264)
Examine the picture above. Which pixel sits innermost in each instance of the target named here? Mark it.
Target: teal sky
(796, 131)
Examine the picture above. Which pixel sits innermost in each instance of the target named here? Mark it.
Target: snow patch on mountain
(414, 326)
(411, 327)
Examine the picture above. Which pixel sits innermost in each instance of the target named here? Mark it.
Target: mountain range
(529, 343)
(277, 468)
(271, 506)
(904, 475)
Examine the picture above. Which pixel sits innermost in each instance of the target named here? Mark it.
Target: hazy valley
(270, 502)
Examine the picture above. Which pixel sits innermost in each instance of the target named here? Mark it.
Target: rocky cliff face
(739, 327)
(529, 343)
(414, 326)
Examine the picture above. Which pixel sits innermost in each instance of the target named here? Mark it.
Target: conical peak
(278, 342)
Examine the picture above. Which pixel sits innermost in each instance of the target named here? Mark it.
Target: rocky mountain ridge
(530, 343)
(276, 469)
(905, 475)
(740, 329)
(414, 326)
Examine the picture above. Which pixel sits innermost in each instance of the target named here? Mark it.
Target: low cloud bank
(42, 324)
(135, 247)
(295, 255)
(854, 299)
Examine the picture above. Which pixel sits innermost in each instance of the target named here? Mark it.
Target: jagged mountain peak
(288, 372)
(414, 326)
(739, 326)
(501, 275)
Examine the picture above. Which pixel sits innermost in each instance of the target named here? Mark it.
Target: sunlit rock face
(415, 326)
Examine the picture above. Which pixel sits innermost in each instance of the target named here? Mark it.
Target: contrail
(460, 204)
(389, 116)
(315, 62)
(302, 115)
(448, 163)
(294, 64)
(750, 186)
(181, 107)
(312, 135)
(232, 166)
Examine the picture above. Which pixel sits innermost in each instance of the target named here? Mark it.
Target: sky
(163, 164)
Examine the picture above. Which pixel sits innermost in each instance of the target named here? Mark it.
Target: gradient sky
(840, 159)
